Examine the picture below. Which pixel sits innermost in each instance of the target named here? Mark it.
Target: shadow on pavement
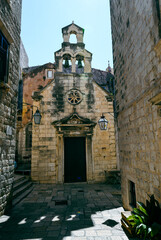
(59, 212)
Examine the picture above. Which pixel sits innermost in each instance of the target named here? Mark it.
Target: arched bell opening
(73, 38)
(79, 64)
(67, 64)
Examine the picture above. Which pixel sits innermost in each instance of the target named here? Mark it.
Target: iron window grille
(4, 52)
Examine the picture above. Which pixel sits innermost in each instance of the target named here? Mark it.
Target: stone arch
(80, 63)
(73, 33)
(68, 53)
(87, 60)
(67, 63)
(73, 29)
(79, 53)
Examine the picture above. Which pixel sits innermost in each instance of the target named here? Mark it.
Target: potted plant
(146, 219)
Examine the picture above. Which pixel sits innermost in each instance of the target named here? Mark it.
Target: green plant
(146, 219)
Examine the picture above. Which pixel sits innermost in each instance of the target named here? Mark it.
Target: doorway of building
(74, 159)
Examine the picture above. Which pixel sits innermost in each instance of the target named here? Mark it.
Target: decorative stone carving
(74, 97)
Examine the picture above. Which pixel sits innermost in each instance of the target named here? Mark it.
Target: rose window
(74, 97)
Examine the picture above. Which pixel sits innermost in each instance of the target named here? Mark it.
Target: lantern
(103, 123)
(37, 117)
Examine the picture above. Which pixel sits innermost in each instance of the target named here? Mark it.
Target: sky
(42, 21)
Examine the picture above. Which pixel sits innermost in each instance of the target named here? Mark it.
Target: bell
(66, 65)
(80, 64)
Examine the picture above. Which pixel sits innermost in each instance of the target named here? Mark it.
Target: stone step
(22, 196)
(22, 186)
(18, 178)
(19, 183)
(126, 224)
(22, 189)
(126, 227)
(23, 171)
(125, 216)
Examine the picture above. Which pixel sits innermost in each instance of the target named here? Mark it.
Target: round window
(74, 97)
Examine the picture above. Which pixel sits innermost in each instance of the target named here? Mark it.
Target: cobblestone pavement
(66, 212)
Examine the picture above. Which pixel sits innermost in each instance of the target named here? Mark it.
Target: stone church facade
(10, 26)
(136, 39)
(68, 145)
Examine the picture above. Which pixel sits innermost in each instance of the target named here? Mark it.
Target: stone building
(24, 63)
(34, 79)
(10, 25)
(68, 145)
(136, 40)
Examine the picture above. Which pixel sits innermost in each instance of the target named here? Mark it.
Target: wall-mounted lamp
(37, 115)
(103, 121)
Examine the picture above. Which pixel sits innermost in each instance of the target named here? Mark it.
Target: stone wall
(48, 140)
(34, 79)
(24, 61)
(10, 27)
(137, 69)
(16, 9)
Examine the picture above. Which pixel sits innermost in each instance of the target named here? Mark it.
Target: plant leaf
(141, 230)
(134, 220)
(141, 214)
(149, 230)
(142, 208)
(141, 204)
(143, 226)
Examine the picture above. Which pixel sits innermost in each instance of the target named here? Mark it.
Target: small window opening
(4, 48)
(73, 38)
(132, 194)
(49, 74)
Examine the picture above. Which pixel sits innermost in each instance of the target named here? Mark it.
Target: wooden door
(74, 159)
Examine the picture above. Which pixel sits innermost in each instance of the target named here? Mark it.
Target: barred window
(4, 47)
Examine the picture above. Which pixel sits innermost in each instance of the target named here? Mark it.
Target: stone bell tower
(74, 53)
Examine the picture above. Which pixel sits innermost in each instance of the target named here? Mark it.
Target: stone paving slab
(66, 212)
